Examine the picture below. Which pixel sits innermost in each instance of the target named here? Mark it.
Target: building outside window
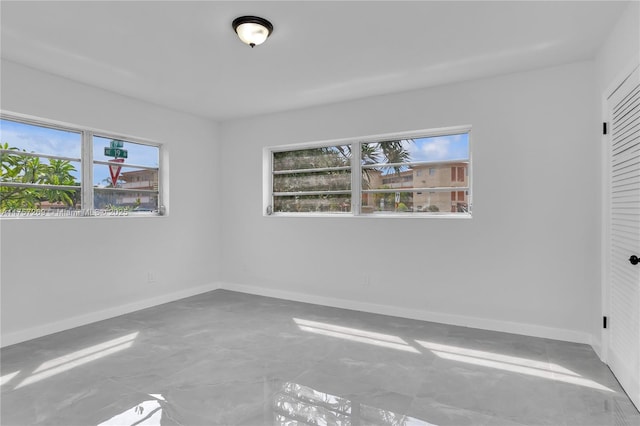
(425, 174)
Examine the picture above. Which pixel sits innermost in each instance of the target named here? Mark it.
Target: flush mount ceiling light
(252, 29)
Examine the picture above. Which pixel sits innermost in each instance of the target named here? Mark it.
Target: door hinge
(604, 322)
(604, 127)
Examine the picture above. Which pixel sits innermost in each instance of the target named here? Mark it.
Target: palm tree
(386, 152)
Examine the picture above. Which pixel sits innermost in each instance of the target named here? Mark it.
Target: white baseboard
(596, 344)
(627, 377)
(397, 311)
(76, 321)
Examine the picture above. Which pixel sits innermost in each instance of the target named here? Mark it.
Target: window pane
(416, 163)
(315, 158)
(318, 181)
(138, 154)
(434, 149)
(317, 170)
(415, 202)
(329, 203)
(420, 163)
(40, 168)
(45, 140)
(124, 174)
(132, 201)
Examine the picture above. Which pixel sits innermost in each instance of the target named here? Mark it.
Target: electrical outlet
(151, 277)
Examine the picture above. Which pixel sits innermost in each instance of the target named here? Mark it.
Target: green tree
(59, 173)
(17, 167)
(386, 152)
(390, 199)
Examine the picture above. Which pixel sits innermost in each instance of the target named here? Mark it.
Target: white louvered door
(624, 230)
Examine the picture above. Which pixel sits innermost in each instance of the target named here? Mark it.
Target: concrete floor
(231, 358)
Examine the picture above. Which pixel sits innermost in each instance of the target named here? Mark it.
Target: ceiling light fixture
(252, 29)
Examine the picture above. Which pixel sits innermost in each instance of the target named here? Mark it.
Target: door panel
(624, 231)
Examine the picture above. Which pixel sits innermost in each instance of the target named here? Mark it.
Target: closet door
(624, 230)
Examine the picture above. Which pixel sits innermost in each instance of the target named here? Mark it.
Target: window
(381, 180)
(51, 170)
(133, 183)
(312, 180)
(41, 167)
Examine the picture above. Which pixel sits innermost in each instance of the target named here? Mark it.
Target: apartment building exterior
(434, 183)
(139, 179)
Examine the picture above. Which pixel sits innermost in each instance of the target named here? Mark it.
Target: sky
(435, 149)
(68, 144)
(439, 148)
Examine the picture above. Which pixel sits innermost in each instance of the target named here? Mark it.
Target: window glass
(312, 180)
(421, 175)
(38, 163)
(392, 169)
(125, 175)
(42, 171)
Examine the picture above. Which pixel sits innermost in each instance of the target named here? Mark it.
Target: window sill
(71, 215)
(374, 216)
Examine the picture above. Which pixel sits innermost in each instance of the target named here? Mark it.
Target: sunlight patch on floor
(543, 365)
(77, 358)
(7, 377)
(355, 335)
(148, 413)
(529, 367)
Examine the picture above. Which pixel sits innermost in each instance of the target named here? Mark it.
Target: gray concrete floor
(231, 358)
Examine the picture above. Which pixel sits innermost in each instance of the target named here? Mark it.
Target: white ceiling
(185, 55)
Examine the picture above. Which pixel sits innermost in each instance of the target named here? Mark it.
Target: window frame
(87, 163)
(356, 172)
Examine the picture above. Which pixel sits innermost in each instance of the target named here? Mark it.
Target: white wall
(621, 49)
(619, 53)
(59, 273)
(526, 262)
